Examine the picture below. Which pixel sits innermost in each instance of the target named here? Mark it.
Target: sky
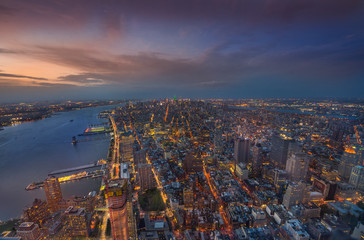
(115, 49)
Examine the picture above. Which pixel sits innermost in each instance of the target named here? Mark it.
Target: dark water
(29, 151)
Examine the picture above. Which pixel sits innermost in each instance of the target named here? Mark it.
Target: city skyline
(199, 49)
(182, 169)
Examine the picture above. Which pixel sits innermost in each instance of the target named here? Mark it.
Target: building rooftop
(26, 224)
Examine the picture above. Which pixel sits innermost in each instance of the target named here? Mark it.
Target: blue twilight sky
(192, 48)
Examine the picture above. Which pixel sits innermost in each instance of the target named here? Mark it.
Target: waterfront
(29, 151)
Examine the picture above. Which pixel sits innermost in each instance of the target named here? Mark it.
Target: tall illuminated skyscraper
(116, 195)
(53, 192)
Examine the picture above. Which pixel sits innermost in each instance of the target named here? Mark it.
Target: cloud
(189, 45)
(8, 75)
(6, 11)
(10, 51)
(226, 64)
(113, 15)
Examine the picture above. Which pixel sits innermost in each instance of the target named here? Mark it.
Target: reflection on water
(29, 151)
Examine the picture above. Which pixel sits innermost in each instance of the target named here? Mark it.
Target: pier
(67, 170)
(70, 178)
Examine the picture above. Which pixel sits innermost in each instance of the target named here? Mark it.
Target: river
(29, 151)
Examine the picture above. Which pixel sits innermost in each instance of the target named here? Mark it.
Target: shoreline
(101, 155)
(48, 114)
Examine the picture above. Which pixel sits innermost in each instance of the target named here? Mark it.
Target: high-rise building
(28, 231)
(297, 166)
(116, 195)
(76, 222)
(279, 151)
(241, 151)
(146, 177)
(295, 194)
(126, 146)
(53, 192)
(193, 162)
(357, 177)
(294, 147)
(38, 212)
(279, 177)
(326, 187)
(257, 158)
(349, 159)
(241, 171)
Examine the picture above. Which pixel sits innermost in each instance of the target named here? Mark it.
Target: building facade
(53, 192)
(116, 195)
(297, 166)
(357, 177)
(241, 151)
(28, 231)
(279, 151)
(146, 177)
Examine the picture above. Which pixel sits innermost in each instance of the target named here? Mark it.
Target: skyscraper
(241, 151)
(257, 157)
(53, 192)
(295, 194)
(279, 151)
(357, 177)
(116, 195)
(297, 166)
(349, 159)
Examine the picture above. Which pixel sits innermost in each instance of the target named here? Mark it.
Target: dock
(67, 170)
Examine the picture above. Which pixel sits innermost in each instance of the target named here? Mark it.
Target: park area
(152, 200)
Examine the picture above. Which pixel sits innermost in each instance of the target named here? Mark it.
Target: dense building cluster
(217, 169)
